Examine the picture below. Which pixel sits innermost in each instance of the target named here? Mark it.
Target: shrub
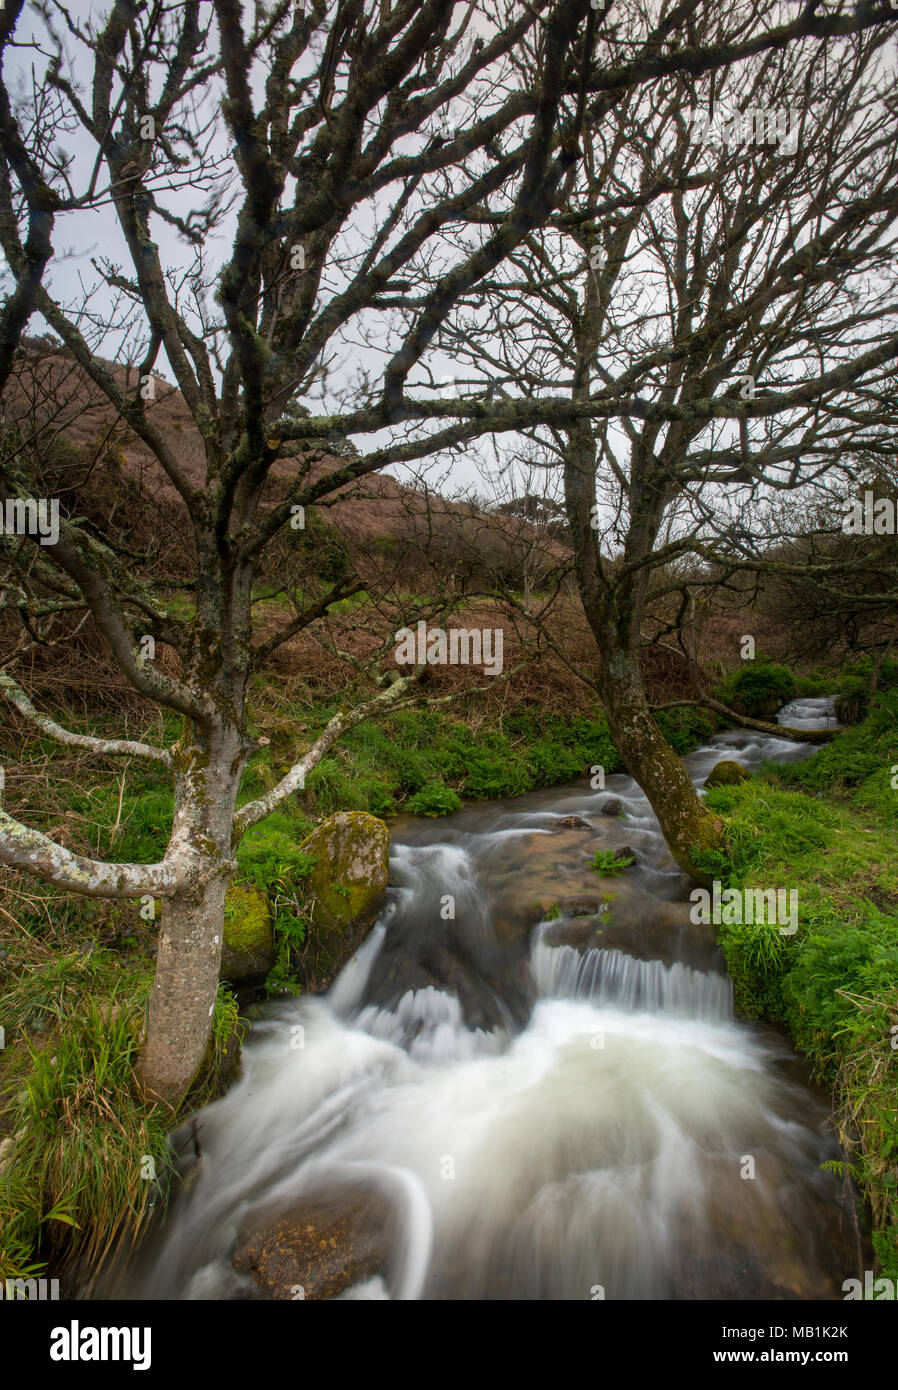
(435, 800)
(853, 695)
(759, 684)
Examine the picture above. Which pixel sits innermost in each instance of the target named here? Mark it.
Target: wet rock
(572, 823)
(351, 854)
(850, 709)
(248, 949)
(318, 1246)
(733, 1274)
(581, 907)
(632, 922)
(349, 883)
(612, 807)
(727, 773)
(489, 977)
(626, 856)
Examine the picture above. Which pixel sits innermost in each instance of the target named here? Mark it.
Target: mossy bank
(827, 828)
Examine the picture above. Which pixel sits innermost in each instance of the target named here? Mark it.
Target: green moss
(247, 927)
(350, 853)
(727, 773)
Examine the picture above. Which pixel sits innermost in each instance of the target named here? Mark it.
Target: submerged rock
(317, 1247)
(727, 773)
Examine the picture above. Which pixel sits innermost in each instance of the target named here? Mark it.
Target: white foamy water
(611, 977)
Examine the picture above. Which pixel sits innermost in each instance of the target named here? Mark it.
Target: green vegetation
(436, 799)
(604, 861)
(411, 760)
(760, 686)
(684, 729)
(827, 828)
(853, 689)
(86, 1156)
(270, 860)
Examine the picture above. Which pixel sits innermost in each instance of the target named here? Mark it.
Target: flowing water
(538, 1073)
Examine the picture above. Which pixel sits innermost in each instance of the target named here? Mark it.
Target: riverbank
(826, 828)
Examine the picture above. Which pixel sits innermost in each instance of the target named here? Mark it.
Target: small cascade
(610, 977)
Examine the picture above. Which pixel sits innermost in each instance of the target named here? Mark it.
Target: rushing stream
(535, 1075)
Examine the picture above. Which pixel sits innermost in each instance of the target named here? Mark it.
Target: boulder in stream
(349, 883)
(727, 773)
(572, 823)
(318, 1246)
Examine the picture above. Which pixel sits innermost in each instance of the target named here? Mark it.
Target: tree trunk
(184, 988)
(208, 769)
(686, 823)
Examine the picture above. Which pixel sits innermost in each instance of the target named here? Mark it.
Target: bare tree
(718, 298)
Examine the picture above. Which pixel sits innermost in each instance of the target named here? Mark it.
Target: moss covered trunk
(685, 821)
(614, 599)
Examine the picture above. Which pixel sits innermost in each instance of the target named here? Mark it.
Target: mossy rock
(727, 773)
(348, 883)
(248, 934)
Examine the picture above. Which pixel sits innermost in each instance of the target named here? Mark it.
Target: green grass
(827, 827)
(87, 1156)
